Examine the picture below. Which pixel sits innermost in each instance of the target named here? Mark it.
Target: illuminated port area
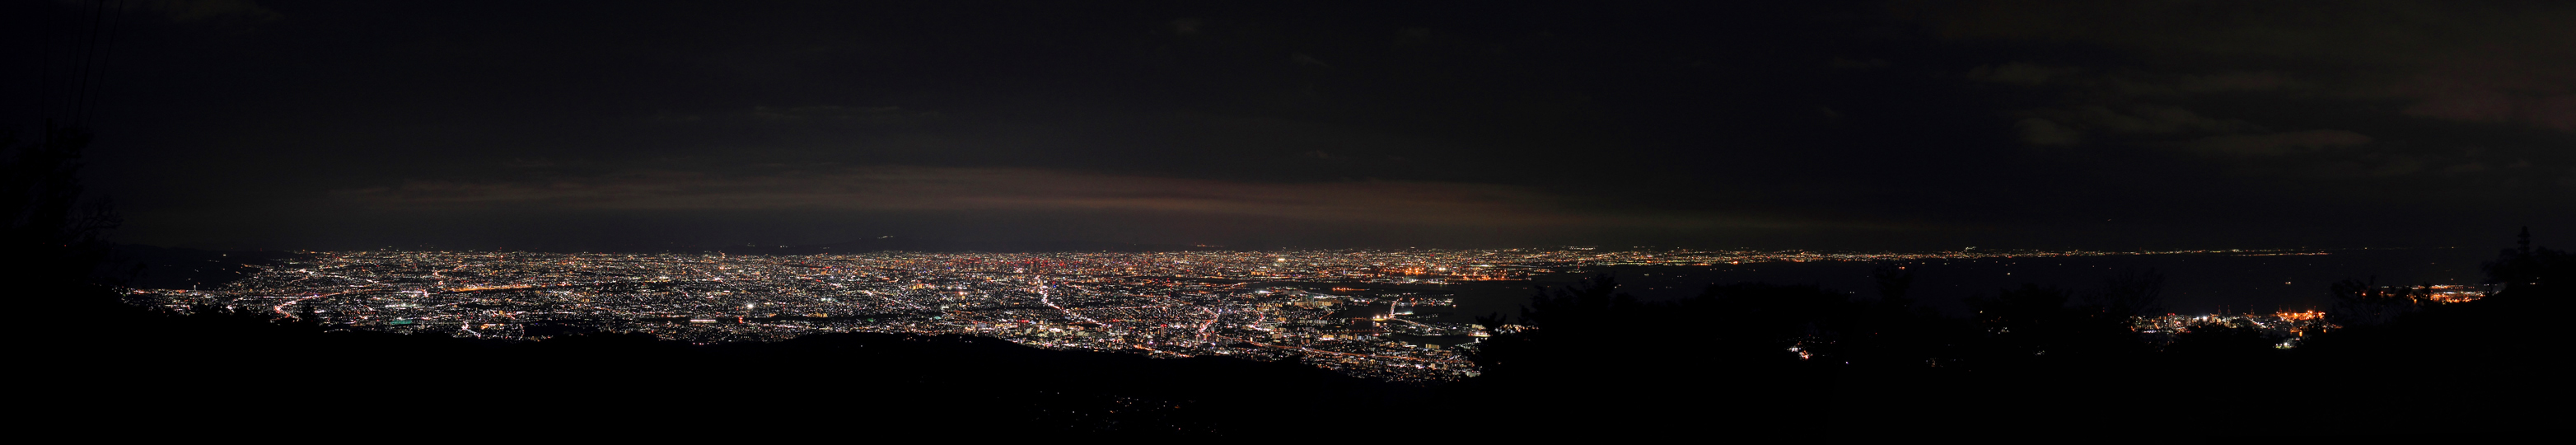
(2452, 293)
(2290, 327)
(1257, 305)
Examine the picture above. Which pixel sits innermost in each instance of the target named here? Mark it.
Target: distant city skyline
(1330, 305)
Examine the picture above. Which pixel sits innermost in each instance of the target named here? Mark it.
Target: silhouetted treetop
(2525, 266)
(2132, 293)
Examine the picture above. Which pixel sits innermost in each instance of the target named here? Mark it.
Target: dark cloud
(212, 10)
(1804, 124)
(2039, 131)
(2276, 143)
(2476, 61)
(2223, 82)
(2020, 73)
(2505, 90)
(2142, 119)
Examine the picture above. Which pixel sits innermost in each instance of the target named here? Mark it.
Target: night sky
(636, 125)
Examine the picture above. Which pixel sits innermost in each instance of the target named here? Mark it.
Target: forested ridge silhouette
(1752, 359)
(2038, 360)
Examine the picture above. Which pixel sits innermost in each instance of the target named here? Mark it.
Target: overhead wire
(95, 88)
(85, 54)
(44, 59)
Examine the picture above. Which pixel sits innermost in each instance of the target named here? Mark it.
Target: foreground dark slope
(218, 367)
(1799, 360)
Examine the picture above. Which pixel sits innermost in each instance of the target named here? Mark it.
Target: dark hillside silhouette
(154, 267)
(2490, 363)
(1811, 361)
(1742, 356)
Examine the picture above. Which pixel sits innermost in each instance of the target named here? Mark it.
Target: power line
(88, 53)
(44, 59)
(97, 87)
(86, 56)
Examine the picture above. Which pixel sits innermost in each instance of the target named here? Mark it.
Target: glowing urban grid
(1264, 305)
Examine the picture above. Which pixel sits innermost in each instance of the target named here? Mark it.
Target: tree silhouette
(53, 235)
(2459, 365)
(1895, 332)
(2033, 321)
(1893, 283)
(2527, 267)
(2131, 294)
(2359, 303)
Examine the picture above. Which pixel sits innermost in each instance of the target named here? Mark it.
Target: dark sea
(2194, 283)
